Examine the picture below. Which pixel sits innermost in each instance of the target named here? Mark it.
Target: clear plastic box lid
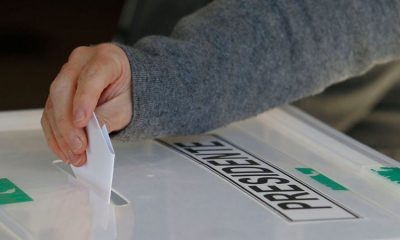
(281, 175)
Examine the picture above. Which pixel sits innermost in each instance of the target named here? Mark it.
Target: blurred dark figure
(36, 38)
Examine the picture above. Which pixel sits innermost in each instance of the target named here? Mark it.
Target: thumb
(116, 113)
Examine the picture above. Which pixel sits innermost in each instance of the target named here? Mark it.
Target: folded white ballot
(99, 168)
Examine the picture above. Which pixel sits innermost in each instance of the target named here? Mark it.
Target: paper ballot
(99, 168)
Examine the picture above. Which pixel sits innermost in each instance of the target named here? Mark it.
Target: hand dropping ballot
(99, 168)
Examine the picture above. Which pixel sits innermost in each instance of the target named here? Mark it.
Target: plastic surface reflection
(71, 211)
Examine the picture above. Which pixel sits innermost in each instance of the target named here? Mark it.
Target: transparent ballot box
(280, 175)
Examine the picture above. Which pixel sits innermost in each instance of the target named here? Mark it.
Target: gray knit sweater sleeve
(234, 59)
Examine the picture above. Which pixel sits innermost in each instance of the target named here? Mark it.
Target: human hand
(95, 79)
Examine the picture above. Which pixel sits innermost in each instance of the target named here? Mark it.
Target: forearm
(234, 59)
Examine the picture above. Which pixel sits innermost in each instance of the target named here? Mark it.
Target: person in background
(224, 61)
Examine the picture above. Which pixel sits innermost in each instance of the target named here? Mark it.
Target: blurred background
(36, 38)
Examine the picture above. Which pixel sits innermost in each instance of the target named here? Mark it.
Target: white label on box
(271, 186)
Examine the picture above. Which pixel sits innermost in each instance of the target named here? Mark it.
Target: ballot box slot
(117, 199)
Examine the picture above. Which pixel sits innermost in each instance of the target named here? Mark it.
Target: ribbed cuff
(139, 77)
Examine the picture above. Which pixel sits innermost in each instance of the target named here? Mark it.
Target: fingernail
(79, 115)
(73, 158)
(79, 163)
(63, 157)
(76, 143)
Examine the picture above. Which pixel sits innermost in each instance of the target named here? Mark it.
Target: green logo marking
(10, 193)
(324, 180)
(390, 173)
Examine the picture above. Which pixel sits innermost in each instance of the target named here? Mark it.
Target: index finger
(61, 95)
